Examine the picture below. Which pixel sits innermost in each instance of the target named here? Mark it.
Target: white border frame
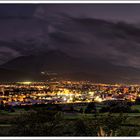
(69, 138)
(69, 2)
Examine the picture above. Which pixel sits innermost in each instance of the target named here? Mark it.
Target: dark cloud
(119, 12)
(84, 37)
(80, 30)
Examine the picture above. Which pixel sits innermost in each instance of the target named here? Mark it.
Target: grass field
(132, 121)
(136, 107)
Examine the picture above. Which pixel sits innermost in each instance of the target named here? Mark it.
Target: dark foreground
(71, 120)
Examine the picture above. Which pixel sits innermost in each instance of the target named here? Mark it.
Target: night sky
(109, 32)
(12, 15)
(126, 12)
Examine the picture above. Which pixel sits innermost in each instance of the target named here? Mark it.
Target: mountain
(67, 67)
(15, 76)
(52, 60)
(13, 49)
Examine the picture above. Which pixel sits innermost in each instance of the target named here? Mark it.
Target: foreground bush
(40, 122)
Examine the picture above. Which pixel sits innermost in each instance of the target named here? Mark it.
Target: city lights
(65, 92)
(25, 83)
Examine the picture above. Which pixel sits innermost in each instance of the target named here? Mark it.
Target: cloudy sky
(126, 12)
(72, 28)
(12, 16)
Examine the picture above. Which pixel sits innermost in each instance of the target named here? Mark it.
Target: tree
(91, 108)
(116, 107)
(81, 110)
(37, 123)
(110, 124)
(85, 127)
